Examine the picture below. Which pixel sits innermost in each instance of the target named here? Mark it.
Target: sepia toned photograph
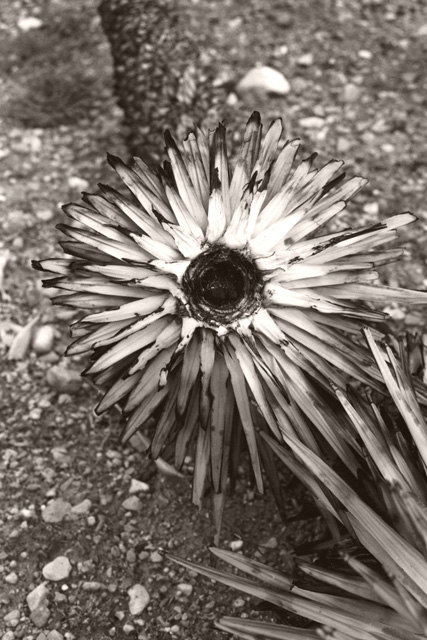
(213, 320)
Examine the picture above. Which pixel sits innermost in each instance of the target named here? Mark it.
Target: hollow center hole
(222, 284)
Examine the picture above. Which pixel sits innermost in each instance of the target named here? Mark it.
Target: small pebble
(306, 60)
(422, 31)
(60, 597)
(132, 504)
(380, 126)
(128, 628)
(138, 599)
(56, 510)
(18, 243)
(351, 92)
(270, 544)
(63, 380)
(12, 618)
(137, 486)
(80, 184)
(238, 602)
(131, 556)
(58, 569)
(83, 508)
(156, 557)
(60, 455)
(364, 54)
(343, 145)
(235, 545)
(311, 122)
(43, 339)
(93, 586)
(371, 208)
(45, 215)
(388, 148)
(9, 635)
(11, 578)
(283, 18)
(185, 588)
(15, 222)
(27, 23)
(40, 616)
(54, 635)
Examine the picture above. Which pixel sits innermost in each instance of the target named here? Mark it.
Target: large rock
(38, 596)
(56, 511)
(58, 569)
(138, 599)
(262, 83)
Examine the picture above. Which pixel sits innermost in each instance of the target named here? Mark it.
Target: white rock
(28, 23)
(364, 54)
(60, 455)
(185, 588)
(80, 184)
(43, 339)
(306, 60)
(83, 508)
(232, 99)
(93, 586)
(388, 148)
(137, 486)
(343, 145)
(58, 569)
(238, 602)
(9, 635)
(270, 544)
(422, 31)
(12, 618)
(156, 557)
(132, 504)
(38, 596)
(311, 122)
(54, 635)
(283, 18)
(235, 545)
(45, 215)
(281, 50)
(56, 510)
(396, 313)
(372, 208)
(138, 599)
(262, 82)
(11, 578)
(351, 92)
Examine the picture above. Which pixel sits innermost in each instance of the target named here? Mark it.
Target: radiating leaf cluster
(384, 510)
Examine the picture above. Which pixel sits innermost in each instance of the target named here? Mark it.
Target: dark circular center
(222, 284)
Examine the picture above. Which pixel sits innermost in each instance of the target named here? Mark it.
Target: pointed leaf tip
(169, 140)
(113, 160)
(254, 118)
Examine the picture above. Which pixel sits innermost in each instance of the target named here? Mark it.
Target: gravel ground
(69, 493)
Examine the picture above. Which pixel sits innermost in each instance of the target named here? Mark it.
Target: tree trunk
(161, 79)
